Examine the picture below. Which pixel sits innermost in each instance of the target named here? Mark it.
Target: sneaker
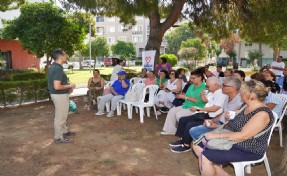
(111, 114)
(164, 110)
(180, 149)
(166, 133)
(176, 143)
(99, 113)
(63, 141)
(158, 113)
(70, 133)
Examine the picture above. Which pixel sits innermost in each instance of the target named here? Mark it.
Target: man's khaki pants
(173, 116)
(61, 103)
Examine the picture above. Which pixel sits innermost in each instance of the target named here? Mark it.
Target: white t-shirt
(218, 99)
(231, 106)
(116, 70)
(278, 64)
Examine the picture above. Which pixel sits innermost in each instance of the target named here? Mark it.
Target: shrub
(138, 63)
(171, 59)
(21, 91)
(6, 74)
(27, 76)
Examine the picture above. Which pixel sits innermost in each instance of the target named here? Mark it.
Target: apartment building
(242, 49)
(113, 30)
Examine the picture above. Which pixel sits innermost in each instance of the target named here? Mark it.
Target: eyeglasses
(224, 85)
(172, 73)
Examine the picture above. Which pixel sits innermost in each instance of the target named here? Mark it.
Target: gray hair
(233, 81)
(214, 80)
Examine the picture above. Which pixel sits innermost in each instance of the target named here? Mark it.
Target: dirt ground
(103, 146)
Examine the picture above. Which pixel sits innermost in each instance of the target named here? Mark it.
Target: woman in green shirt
(192, 98)
(163, 77)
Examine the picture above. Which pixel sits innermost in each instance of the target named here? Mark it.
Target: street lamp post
(90, 45)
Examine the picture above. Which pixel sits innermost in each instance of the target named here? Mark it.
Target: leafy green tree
(10, 4)
(188, 55)
(252, 55)
(84, 19)
(176, 36)
(171, 59)
(124, 49)
(197, 44)
(99, 47)
(162, 14)
(42, 27)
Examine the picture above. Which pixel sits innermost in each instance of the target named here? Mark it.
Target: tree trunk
(260, 59)
(282, 169)
(276, 51)
(157, 29)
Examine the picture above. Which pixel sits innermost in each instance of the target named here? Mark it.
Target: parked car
(108, 62)
(90, 63)
(68, 65)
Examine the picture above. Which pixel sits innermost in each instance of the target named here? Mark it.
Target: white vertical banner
(148, 59)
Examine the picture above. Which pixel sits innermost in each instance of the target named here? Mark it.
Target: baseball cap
(122, 73)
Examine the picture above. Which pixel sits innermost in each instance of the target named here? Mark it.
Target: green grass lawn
(82, 76)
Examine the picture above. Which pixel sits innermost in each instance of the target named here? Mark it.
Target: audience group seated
(196, 106)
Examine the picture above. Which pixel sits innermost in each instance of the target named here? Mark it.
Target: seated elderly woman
(254, 118)
(166, 96)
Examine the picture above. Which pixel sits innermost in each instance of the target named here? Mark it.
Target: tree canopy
(176, 36)
(197, 44)
(10, 4)
(42, 27)
(162, 14)
(99, 47)
(124, 49)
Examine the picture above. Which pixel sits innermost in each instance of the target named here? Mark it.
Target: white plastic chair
(135, 80)
(279, 122)
(141, 104)
(138, 87)
(108, 104)
(239, 166)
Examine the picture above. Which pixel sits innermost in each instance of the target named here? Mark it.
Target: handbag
(201, 116)
(132, 95)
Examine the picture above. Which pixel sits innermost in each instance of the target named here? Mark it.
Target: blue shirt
(118, 87)
(275, 99)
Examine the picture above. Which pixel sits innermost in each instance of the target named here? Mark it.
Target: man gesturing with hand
(59, 90)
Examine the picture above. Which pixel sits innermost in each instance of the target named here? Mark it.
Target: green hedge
(27, 76)
(17, 92)
(129, 75)
(6, 74)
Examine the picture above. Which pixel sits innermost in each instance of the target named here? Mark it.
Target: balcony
(137, 32)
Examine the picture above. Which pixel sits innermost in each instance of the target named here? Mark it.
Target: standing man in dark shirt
(59, 90)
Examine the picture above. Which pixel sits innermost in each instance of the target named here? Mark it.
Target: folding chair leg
(266, 163)
(129, 111)
(239, 169)
(148, 111)
(280, 135)
(154, 108)
(118, 109)
(248, 169)
(141, 115)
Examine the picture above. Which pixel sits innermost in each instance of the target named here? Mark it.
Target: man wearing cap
(118, 91)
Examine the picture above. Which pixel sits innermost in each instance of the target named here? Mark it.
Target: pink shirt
(149, 81)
